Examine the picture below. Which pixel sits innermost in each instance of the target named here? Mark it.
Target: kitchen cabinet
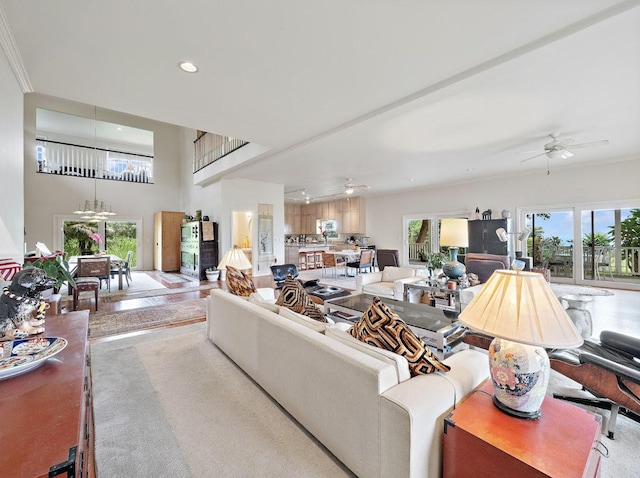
(166, 240)
(348, 213)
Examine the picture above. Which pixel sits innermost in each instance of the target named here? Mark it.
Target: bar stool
(302, 261)
(318, 259)
(311, 260)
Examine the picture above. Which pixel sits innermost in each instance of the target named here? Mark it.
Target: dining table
(115, 262)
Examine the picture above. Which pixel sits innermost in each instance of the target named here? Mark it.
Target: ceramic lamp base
(520, 376)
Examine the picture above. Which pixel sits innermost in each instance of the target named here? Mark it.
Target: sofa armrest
(364, 279)
(412, 415)
(398, 286)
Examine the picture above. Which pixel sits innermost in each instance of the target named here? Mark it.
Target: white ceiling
(395, 94)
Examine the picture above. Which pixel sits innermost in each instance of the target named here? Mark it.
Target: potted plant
(212, 273)
(436, 261)
(57, 268)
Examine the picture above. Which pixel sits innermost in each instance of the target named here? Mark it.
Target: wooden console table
(47, 427)
(482, 441)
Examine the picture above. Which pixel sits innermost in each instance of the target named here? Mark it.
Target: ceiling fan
(559, 148)
(350, 188)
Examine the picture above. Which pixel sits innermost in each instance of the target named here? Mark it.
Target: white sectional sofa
(388, 283)
(358, 401)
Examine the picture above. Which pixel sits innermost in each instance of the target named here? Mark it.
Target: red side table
(482, 441)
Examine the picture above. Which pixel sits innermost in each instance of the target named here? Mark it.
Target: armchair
(388, 283)
(483, 265)
(387, 257)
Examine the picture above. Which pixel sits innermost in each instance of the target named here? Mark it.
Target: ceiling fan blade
(532, 157)
(590, 144)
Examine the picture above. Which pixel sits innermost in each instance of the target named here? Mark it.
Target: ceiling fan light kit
(557, 148)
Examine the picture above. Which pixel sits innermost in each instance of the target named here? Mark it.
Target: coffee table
(438, 328)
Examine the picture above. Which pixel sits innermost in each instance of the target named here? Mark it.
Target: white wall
(220, 199)
(613, 183)
(11, 152)
(47, 195)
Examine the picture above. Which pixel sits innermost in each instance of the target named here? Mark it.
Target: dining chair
(329, 261)
(98, 266)
(89, 275)
(364, 262)
(123, 267)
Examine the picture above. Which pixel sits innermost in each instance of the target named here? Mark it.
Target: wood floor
(619, 312)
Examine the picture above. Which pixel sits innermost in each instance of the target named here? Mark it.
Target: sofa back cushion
(381, 327)
(302, 320)
(258, 299)
(390, 273)
(400, 363)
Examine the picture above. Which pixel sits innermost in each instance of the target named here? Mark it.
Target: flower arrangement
(437, 259)
(96, 237)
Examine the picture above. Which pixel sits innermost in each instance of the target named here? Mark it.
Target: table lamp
(521, 311)
(454, 233)
(234, 257)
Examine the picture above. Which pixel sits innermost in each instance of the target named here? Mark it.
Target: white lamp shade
(520, 306)
(454, 232)
(234, 257)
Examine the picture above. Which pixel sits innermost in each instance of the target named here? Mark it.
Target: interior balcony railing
(210, 147)
(68, 159)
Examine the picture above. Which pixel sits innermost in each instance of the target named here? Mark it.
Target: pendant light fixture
(94, 211)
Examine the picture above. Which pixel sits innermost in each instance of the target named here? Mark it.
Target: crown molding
(8, 44)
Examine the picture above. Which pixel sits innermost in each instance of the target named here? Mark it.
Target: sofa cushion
(381, 327)
(258, 299)
(390, 274)
(294, 297)
(239, 283)
(302, 320)
(399, 362)
(379, 288)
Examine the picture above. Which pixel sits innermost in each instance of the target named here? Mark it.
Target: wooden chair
(91, 272)
(329, 261)
(365, 261)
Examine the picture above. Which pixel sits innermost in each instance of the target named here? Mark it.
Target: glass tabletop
(418, 315)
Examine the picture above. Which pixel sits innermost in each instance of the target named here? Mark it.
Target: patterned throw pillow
(381, 327)
(294, 297)
(239, 283)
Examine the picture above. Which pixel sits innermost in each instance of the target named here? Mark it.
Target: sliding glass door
(586, 244)
(78, 237)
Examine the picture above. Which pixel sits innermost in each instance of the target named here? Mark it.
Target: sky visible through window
(560, 224)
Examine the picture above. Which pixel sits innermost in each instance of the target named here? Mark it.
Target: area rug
(157, 292)
(170, 403)
(114, 323)
(172, 278)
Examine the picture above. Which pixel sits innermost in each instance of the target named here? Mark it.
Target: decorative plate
(20, 356)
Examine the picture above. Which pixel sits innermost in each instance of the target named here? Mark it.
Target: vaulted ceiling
(394, 94)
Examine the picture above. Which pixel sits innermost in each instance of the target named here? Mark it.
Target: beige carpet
(169, 403)
(113, 323)
(157, 292)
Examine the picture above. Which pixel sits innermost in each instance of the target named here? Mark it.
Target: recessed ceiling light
(119, 128)
(188, 67)
(469, 169)
(412, 180)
